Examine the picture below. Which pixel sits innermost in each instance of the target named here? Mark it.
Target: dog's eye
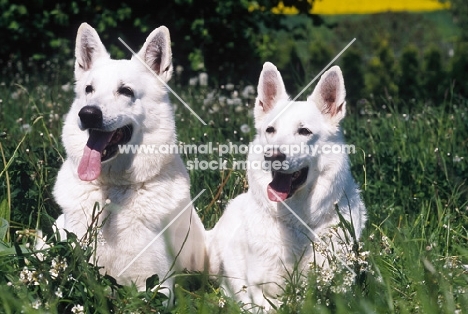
(304, 131)
(89, 89)
(270, 130)
(126, 91)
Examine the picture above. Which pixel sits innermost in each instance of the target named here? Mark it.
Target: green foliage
(216, 34)
(353, 73)
(435, 77)
(319, 54)
(459, 73)
(49, 26)
(399, 29)
(382, 73)
(459, 9)
(409, 82)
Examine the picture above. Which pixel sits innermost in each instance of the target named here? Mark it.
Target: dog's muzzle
(101, 145)
(283, 184)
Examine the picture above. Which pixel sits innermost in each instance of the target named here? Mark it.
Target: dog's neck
(135, 177)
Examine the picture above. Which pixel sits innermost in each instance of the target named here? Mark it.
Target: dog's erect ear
(329, 95)
(270, 89)
(157, 53)
(88, 49)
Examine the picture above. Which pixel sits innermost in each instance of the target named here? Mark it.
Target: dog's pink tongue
(90, 164)
(280, 187)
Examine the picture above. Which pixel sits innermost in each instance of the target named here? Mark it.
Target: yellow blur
(365, 6)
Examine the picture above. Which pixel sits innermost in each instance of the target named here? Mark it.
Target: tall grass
(411, 166)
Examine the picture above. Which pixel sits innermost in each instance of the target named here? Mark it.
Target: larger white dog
(258, 239)
(123, 102)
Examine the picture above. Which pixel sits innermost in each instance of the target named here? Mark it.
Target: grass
(411, 166)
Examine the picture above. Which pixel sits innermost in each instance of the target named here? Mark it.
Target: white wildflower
(78, 309)
(58, 264)
(67, 87)
(221, 302)
(248, 91)
(26, 128)
(36, 304)
(193, 81)
(203, 79)
(245, 128)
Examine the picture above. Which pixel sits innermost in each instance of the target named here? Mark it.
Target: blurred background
(402, 47)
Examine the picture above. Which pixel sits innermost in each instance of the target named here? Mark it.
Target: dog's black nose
(273, 155)
(91, 117)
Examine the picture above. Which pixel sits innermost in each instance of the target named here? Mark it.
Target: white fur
(257, 241)
(145, 191)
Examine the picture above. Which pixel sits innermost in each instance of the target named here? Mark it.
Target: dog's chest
(281, 244)
(130, 207)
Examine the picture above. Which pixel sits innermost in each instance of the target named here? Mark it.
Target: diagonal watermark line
(160, 233)
(315, 78)
(161, 80)
(314, 234)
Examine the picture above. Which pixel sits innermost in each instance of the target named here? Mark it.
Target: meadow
(410, 161)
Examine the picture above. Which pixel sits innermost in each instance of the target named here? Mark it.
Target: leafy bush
(216, 33)
(434, 81)
(460, 69)
(409, 82)
(353, 73)
(382, 73)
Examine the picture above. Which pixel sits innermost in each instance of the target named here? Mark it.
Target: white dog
(258, 240)
(123, 102)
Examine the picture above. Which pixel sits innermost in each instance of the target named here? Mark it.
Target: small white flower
(57, 266)
(248, 91)
(203, 79)
(67, 87)
(245, 128)
(53, 273)
(193, 81)
(221, 302)
(77, 309)
(36, 304)
(239, 109)
(26, 127)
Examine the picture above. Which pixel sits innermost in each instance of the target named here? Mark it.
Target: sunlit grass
(411, 165)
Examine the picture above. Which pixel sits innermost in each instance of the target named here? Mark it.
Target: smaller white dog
(258, 239)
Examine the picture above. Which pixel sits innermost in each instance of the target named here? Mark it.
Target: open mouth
(101, 146)
(284, 185)
(120, 136)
